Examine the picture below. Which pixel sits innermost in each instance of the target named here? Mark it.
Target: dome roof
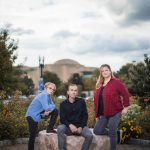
(67, 62)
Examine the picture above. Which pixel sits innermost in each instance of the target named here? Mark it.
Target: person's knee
(55, 111)
(87, 133)
(98, 131)
(90, 137)
(61, 128)
(95, 131)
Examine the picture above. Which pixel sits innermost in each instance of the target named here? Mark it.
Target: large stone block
(48, 141)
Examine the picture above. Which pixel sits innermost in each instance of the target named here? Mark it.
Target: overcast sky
(91, 32)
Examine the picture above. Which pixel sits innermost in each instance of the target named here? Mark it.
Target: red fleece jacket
(115, 98)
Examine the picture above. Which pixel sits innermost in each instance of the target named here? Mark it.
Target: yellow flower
(124, 129)
(129, 123)
(131, 128)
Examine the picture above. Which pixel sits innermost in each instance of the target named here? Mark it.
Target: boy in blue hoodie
(41, 107)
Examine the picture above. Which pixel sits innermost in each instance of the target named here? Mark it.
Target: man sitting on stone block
(73, 118)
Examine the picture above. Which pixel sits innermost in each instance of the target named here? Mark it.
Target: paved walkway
(120, 147)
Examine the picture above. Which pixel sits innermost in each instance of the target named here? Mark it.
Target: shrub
(130, 123)
(145, 123)
(2, 94)
(133, 100)
(12, 121)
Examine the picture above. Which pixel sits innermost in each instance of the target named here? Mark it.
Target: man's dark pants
(63, 130)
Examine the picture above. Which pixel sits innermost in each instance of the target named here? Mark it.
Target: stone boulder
(48, 141)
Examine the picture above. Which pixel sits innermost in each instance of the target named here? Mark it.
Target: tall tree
(7, 57)
(140, 76)
(75, 79)
(62, 88)
(29, 86)
(123, 74)
(88, 83)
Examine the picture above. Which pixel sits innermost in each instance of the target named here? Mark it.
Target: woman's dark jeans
(112, 124)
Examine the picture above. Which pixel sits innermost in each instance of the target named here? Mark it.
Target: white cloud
(91, 32)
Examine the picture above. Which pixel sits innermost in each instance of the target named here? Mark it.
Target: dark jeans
(112, 123)
(63, 130)
(33, 127)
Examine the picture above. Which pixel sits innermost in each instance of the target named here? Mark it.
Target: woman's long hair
(100, 79)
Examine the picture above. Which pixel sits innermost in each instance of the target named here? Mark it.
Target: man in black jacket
(73, 118)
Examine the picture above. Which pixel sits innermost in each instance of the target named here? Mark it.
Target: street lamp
(40, 81)
(41, 66)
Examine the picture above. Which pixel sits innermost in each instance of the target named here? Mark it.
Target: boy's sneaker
(49, 130)
(119, 136)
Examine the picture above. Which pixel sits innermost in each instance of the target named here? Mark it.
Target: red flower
(146, 100)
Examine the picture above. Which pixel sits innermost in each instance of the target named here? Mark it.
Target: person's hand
(73, 128)
(97, 119)
(79, 130)
(124, 111)
(46, 113)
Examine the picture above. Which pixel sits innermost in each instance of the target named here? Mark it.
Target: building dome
(66, 62)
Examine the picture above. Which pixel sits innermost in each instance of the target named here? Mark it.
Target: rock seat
(48, 141)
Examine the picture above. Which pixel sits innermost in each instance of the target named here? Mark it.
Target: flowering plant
(130, 123)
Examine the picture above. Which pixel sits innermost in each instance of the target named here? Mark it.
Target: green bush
(13, 121)
(130, 123)
(145, 123)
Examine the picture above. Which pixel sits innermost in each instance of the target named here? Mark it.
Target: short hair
(49, 83)
(72, 84)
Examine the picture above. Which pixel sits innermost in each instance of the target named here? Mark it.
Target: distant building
(87, 74)
(64, 68)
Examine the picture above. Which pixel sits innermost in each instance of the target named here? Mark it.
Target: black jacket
(74, 113)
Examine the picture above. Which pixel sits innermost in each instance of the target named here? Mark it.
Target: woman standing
(111, 100)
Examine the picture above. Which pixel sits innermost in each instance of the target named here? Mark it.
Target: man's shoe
(50, 131)
(119, 136)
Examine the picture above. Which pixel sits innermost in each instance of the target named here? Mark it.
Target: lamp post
(40, 81)
(41, 66)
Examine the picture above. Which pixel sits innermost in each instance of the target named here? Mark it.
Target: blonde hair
(49, 83)
(100, 79)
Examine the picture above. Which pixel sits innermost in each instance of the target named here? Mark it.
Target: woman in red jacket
(111, 100)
